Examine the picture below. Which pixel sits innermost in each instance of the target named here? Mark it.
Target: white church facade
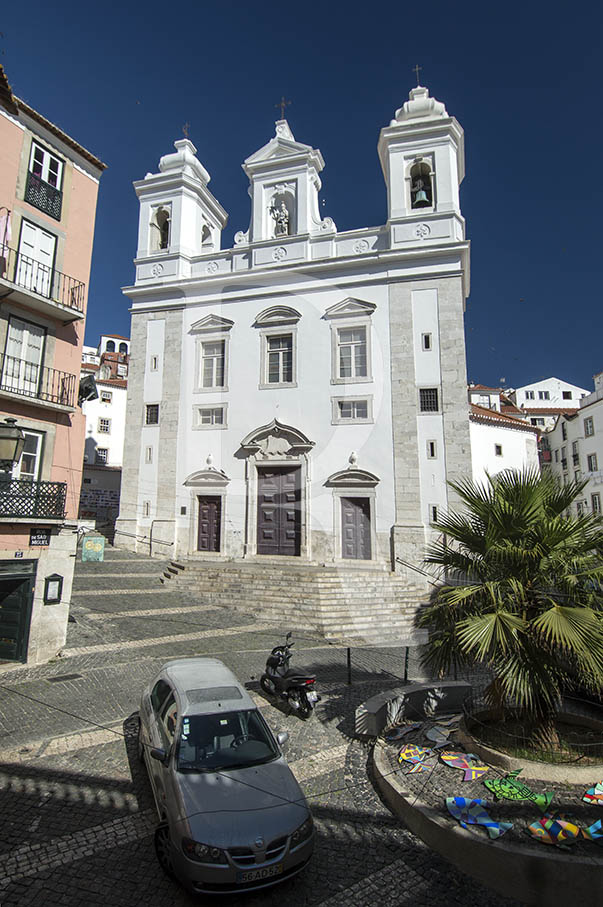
(303, 394)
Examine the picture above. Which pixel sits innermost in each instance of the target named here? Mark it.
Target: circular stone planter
(537, 874)
(564, 772)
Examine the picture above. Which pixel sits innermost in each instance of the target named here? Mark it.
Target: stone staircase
(354, 604)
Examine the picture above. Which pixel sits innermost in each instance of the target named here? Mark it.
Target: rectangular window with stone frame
(207, 417)
(279, 359)
(212, 363)
(352, 352)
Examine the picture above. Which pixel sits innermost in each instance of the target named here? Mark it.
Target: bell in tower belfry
(420, 187)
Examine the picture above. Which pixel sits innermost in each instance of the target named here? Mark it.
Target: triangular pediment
(211, 323)
(277, 314)
(350, 307)
(278, 148)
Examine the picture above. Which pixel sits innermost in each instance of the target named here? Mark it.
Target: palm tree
(522, 592)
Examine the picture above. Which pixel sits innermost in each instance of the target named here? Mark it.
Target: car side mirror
(159, 755)
(282, 737)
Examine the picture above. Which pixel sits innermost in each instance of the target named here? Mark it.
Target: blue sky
(523, 79)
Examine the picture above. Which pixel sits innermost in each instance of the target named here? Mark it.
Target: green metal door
(16, 597)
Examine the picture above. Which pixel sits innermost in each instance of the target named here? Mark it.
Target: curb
(552, 876)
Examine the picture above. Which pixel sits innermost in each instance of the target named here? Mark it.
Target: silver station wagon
(231, 815)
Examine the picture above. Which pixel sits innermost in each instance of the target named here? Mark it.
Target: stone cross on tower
(417, 69)
(282, 104)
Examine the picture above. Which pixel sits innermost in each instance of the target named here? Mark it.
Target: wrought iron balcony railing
(43, 195)
(23, 499)
(30, 380)
(41, 279)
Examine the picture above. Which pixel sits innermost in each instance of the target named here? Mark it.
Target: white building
(302, 394)
(105, 427)
(499, 442)
(576, 448)
(544, 401)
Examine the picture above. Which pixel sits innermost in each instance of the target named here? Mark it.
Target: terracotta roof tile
(481, 414)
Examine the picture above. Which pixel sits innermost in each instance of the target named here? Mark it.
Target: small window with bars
(152, 414)
(104, 426)
(106, 396)
(429, 400)
(101, 455)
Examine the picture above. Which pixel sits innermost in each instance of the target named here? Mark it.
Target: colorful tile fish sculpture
(473, 770)
(397, 733)
(415, 755)
(594, 832)
(558, 831)
(594, 794)
(509, 788)
(472, 812)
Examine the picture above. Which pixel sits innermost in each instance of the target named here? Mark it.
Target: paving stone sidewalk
(76, 806)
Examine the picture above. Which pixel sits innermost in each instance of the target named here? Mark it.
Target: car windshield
(229, 740)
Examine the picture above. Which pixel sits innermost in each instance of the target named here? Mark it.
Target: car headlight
(204, 853)
(303, 832)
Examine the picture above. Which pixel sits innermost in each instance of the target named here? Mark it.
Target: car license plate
(312, 696)
(265, 872)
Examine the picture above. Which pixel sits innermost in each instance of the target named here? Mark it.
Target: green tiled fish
(509, 788)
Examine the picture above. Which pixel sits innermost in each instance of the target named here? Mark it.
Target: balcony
(21, 499)
(46, 386)
(43, 195)
(40, 287)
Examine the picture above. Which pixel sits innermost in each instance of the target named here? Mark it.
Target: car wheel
(266, 685)
(163, 849)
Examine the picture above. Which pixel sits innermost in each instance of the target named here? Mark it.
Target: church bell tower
(422, 154)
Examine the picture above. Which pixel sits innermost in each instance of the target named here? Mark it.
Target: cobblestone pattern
(76, 805)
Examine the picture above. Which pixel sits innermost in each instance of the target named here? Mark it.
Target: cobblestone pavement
(76, 806)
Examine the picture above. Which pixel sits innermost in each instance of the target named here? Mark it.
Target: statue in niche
(280, 215)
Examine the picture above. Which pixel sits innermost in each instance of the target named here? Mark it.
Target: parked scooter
(294, 687)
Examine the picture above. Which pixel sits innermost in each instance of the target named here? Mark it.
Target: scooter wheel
(266, 685)
(300, 703)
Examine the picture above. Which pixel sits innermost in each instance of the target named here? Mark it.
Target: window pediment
(277, 314)
(349, 308)
(352, 477)
(211, 324)
(205, 477)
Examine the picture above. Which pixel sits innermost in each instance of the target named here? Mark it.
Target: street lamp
(12, 441)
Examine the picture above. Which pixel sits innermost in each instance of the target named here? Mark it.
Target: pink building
(48, 192)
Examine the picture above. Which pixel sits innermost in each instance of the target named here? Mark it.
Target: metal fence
(574, 735)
